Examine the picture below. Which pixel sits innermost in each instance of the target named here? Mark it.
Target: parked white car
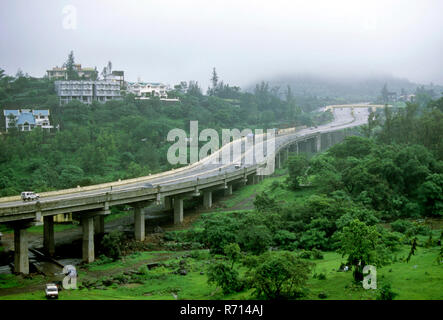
(51, 291)
(29, 196)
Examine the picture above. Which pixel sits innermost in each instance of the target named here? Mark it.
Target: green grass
(421, 278)
(126, 261)
(12, 281)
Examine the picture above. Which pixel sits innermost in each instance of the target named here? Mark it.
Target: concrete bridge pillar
(48, 235)
(228, 190)
(88, 238)
(21, 259)
(139, 223)
(296, 148)
(277, 161)
(167, 203)
(178, 210)
(318, 143)
(255, 179)
(328, 140)
(99, 224)
(207, 199)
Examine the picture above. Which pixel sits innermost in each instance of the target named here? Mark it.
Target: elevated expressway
(90, 204)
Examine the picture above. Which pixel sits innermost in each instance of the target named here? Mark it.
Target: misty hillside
(351, 89)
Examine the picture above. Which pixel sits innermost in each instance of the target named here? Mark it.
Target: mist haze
(247, 41)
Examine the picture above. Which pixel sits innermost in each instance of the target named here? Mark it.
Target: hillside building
(87, 91)
(27, 119)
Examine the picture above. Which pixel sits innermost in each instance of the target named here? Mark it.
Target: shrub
(317, 254)
(322, 295)
(279, 275)
(256, 240)
(111, 245)
(284, 239)
(386, 293)
(305, 254)
(224, 276)
(401, 225)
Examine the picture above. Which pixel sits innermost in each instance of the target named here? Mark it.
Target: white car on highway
(29, 196)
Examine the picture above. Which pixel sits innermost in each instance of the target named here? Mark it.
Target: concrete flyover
(91, 204)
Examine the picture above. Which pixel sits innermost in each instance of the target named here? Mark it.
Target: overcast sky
(246, 40)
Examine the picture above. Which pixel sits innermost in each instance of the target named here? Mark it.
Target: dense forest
(126, 138)
(347, 197)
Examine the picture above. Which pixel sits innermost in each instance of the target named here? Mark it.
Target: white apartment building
(87, 91)
(148, 89)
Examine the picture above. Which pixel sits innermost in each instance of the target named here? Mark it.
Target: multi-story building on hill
(87, 91)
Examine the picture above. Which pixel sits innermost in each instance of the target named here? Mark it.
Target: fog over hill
(349, 88)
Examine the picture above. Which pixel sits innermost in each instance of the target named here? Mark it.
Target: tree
(297, 166)
(358, 241)
(232, 252)
(414, 244)
(214, 80)
(279, 275)
(194, 89)
(224, 275)
(70, 67)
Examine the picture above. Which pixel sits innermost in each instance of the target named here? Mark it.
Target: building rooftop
(8, 112)
(26, 117)
(40, 112)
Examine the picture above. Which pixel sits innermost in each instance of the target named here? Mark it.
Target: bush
(279, 275)
(322, 295)
(284, 239)
(224, 276)
(256, 240)
(317, 254)
(401, 225)
(305, 254)
(111, 245)
(386, 293)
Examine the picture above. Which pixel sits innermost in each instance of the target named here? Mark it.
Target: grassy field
(421, 278)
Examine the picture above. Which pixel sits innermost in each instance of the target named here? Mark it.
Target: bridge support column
(228, 190)
(167, 203)
(21, 259)
(250, 179)
(318, 143)
(139, 223)
(207, 199)
(296, 148)
(178, 210)
(88, 239)
(99, 224)
(48, 235)
(277, 161)
(255, 179)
